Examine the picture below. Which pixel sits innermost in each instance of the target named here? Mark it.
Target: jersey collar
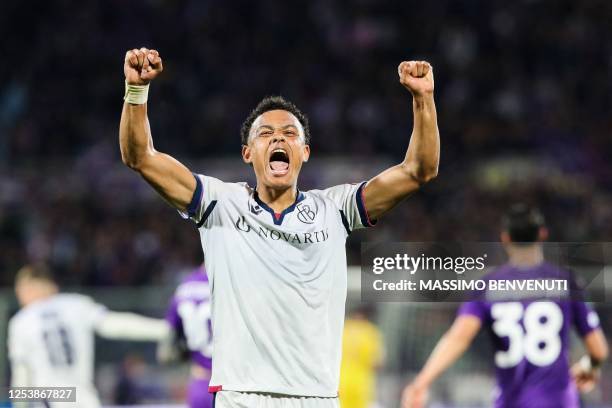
(278, 217)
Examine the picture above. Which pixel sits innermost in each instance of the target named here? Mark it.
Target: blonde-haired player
(51, 339)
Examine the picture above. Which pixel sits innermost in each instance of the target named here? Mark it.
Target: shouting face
(276, 148)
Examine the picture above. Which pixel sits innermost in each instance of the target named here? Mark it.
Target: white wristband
(136, 94)
(585, 364)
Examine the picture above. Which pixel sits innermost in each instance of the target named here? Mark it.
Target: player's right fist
(141, 66)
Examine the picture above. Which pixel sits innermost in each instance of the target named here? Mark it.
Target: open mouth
(279, 162)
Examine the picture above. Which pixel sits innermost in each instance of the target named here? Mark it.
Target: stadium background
(524, 99)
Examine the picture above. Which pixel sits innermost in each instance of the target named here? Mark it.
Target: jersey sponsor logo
(242, 225)
(275, 235)
(305, 213)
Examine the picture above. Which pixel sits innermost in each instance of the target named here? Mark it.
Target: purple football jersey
(531, 338)
(189, 315)
(198, 395)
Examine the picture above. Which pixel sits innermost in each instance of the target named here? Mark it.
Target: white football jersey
(278, 285)
(54, 339)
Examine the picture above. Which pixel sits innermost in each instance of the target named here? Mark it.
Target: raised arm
(450, 347)
(171, 179)
(420, 164)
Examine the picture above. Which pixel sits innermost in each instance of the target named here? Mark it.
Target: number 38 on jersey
(533, 332)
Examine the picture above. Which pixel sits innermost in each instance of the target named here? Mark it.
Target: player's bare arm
(587, 371)
(448, 350)
(172, 180)
(420, 164)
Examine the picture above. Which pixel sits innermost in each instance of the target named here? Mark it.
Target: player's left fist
(141, 66)
(585, 380)
(417, 77)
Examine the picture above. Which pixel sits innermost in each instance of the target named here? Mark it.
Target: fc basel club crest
(305, 213)
(255, 208)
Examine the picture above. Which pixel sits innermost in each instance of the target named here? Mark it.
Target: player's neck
(525, 257)
(38, 297)
(277, 199)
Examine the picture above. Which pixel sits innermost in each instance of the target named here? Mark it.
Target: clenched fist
(417, 77)
(141, 66)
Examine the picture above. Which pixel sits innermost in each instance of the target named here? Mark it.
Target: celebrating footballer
(278, 270)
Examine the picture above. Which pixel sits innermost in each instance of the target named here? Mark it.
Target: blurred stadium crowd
(523, 93)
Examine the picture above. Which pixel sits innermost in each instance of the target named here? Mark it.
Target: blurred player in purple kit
(531, 336)
(189, 316)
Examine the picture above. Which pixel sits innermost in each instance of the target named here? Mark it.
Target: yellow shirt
(362, 353)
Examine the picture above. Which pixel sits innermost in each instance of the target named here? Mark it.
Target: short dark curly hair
(270, 103)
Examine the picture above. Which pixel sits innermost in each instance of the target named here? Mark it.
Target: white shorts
(236, 399)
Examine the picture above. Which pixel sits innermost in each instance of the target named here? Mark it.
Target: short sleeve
(350, 201)
(91, 311)
(585, 318)
(207, 192)
(474, 308)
